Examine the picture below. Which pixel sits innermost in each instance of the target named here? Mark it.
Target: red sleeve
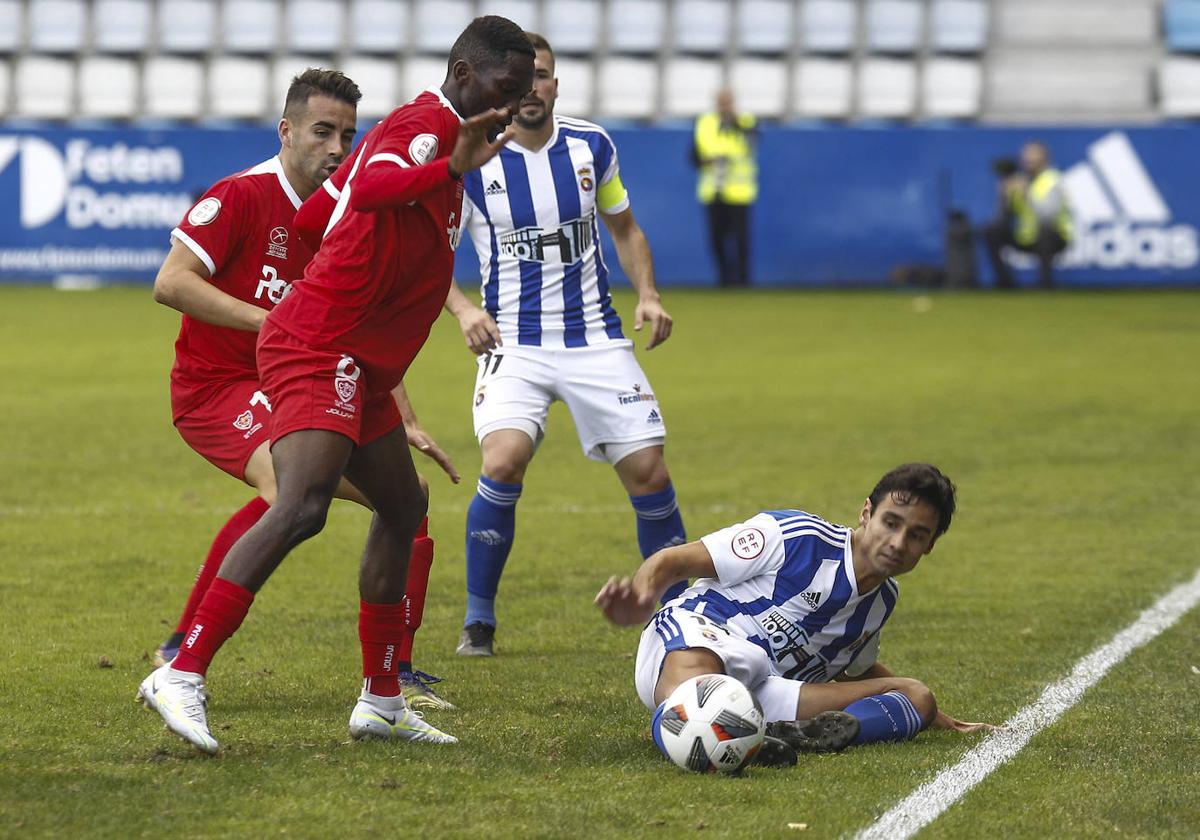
(214, 228)
(410, 159)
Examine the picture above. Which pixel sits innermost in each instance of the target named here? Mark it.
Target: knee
(306, 518)
(503, 468)
(922, 699)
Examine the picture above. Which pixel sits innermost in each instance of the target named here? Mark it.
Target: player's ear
(285, 132)
(461, 72)
(865, 514)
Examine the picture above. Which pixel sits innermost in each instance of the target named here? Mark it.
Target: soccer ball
(710, 724)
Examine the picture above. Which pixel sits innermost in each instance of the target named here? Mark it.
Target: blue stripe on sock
(885, 717)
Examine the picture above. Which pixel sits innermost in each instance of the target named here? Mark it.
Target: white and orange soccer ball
(710, 724)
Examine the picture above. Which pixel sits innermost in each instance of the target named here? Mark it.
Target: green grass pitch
(1069, 422)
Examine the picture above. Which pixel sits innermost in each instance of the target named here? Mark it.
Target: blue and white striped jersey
(532, 217)
(785, 581)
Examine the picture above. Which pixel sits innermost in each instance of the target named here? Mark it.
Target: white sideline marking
(927, 802)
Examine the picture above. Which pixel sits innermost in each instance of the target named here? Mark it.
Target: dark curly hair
(918, 482)
(487, 41)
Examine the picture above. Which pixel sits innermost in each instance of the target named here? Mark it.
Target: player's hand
(472, 148)
(944, 721)
(420, 440)
(622, 603)
(480, 330)
(650, 309)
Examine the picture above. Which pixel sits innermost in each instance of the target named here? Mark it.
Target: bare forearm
(457, 304)
(197, 298)
(633, 252)
(679, 562)
(404, 405)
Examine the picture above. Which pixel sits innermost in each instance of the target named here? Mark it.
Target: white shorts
(674, 628)
(608, 395)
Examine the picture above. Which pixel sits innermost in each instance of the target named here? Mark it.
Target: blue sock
(885, 717)
(491, 524)
(659, 525)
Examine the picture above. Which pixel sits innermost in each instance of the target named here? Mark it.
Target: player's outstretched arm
(941, 720)
(633, 252)
(418, 438)
(479, 329)
(182, 283)
(627, 601)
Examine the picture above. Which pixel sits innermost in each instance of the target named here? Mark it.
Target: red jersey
(390, 217)
(243, 230)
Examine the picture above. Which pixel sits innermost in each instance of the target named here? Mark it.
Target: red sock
(414, 593)
(218, 617)
(380, 627)
(238, 524)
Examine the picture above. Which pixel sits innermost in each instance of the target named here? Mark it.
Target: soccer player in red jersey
(329, 356)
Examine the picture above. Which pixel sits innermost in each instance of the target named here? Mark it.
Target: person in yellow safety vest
(1034, 217)
(724, 152)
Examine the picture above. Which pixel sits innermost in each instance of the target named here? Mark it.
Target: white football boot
(390, 718)
(180, 698)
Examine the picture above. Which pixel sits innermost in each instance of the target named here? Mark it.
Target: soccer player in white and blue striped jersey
(548, 331)
(792, 606)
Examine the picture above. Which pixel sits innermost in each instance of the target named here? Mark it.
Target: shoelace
(426, 679)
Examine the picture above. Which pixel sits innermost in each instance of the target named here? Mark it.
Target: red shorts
(227, 424)
(320, 389)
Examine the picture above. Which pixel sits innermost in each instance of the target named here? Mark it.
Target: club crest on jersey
(585, 178)
(277, 247)
(748, 543)
(204, 212)
(423, 148)
(244, 420)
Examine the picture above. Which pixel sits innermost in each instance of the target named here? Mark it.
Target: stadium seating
(250, 26)
(420, 74)
(765, 27)
(237, 88)
(894, 26)
(438, 22)
(5, 88)
(828, 26)
(690, 85)
(1063, 23)
(951, 88)
(759, 86)
(283, 70)
(887, 88)
(958, 26)
(378, 79)
(186, 26)
(574, 87)
(58, 26)
(572, 26)
(12, 22)
(1179, 86)
(524, 13)
(378, 26)
(701, 26)
(823, 88)
(1181, 25)
(636, 26)
(173, 88)
(314, 26)
(45, 87)
(628, 88)
(121, 26)
(108, 87)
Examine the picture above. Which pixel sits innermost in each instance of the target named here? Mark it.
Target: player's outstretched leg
(883, 709)
(308, 466)
(383, 471)
(238, 524)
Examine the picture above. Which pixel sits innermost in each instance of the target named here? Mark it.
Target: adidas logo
(811, 598)
(488, 537)
(1121, 219)
(654, 417)
(495, 188)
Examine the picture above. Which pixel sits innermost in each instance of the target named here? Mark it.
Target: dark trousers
(729, 232)
(1049, 244)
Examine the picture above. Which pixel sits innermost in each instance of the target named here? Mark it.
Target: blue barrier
(837, 206)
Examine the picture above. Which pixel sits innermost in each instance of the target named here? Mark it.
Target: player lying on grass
(232, 259)
(331, 353)
(792, 606)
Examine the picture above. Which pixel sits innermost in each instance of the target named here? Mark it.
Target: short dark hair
(316, 81)
(487, 41)
(918, 482)
(540, 43)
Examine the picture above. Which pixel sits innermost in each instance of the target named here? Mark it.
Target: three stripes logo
(813, 599)
(1121, 219)
(495, 188)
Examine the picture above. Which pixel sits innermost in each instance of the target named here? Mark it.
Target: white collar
(277, 165)
(437, 91)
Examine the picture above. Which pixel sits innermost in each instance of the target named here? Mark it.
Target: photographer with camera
(1033, 215)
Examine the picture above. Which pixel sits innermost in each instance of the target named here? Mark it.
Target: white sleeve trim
(328, 186)
(389, 157)
(194, 247)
